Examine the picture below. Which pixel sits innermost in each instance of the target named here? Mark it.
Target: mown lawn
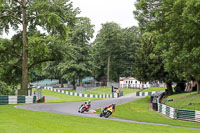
(189, 101)
(13, 120)
(140, 111)
(63, 97)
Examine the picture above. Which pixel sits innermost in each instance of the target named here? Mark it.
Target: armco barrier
(145, 93)
(17, 99)
(80, 94)
(167, 110)
(180, 114)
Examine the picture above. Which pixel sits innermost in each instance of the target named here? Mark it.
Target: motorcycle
(84, 107)
(106, 112)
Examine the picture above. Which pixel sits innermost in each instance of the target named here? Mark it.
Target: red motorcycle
(84, 107)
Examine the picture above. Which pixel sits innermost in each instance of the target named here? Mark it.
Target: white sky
(102, 11)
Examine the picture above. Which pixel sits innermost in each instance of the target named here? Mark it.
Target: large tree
(23, 16)
(107, 44)
(76, 64)
(126, 56)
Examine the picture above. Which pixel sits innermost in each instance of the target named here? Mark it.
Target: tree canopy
(55, 17)
(175, 22)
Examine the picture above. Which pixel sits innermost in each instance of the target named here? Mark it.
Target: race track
(71, 108)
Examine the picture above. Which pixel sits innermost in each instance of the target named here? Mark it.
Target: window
(136, 82)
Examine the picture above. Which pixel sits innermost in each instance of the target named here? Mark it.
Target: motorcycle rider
(107, 111)
(88, 103)
(111, 105)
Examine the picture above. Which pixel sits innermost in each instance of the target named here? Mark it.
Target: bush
(5, 89)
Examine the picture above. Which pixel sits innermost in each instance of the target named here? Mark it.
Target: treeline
(62, 49)
(170, 48)
(165, 45)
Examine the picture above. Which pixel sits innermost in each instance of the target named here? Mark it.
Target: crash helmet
(113, 105)
(110, 105)
(89, 102)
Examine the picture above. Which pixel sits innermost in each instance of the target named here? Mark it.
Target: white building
(131, 82)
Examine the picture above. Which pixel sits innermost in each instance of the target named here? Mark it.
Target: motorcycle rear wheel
(108, 114)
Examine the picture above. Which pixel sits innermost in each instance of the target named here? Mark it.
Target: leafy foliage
(33, 48)
(6, 90)
(177, 38)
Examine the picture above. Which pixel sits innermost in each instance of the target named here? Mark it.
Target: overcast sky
(102, 11)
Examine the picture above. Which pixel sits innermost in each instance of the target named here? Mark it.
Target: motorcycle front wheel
(82, 110)
(101, 115)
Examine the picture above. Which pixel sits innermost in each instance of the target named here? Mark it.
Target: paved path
(72, 108)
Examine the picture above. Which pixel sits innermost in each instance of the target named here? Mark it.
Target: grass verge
(63, 97)
(106, 90)
(15, 120)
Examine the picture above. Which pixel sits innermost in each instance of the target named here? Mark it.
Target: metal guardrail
(113, 95)
(177, 114)
(17, 99)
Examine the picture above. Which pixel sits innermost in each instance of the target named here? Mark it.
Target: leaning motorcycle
(106, 112)
(83, 108)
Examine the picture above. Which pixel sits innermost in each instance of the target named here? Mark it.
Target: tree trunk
(80, 81)
(61, 82)
(198, 89)
(108, 68)
(169, 88)
(74, 84)
(25, 50)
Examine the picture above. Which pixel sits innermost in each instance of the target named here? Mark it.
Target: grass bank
(154, 89)
(189, 101)
(15, 120)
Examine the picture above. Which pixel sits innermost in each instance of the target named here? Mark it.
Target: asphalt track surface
(71, 108)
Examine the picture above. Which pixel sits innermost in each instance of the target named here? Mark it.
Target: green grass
(126, 91)
(140, 111)
(15, 120)
(181, 101)
(154, 89)
(63, 97)
(99, 90)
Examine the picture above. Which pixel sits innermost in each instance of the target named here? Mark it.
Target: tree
(76, 64)
(53, 16)
(149, 63)
(107, 43)
(126, 56)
